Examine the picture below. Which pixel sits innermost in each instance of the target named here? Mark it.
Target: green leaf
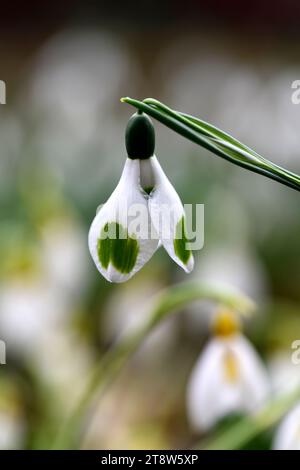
(246, 428)
(215, 140)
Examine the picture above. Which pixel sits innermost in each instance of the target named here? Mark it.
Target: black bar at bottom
(135, 459)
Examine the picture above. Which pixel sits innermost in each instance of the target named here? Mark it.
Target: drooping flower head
(228, 377)
(143, 212)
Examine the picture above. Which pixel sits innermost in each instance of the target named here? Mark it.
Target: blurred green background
(66, 65)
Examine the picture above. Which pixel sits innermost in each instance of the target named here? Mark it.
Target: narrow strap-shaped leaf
(215, 140)
(237, 435)
(222, 137)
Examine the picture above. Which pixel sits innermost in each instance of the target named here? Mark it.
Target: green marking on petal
(103, 247)
(180, 242)
(148, 189)
(116, 247)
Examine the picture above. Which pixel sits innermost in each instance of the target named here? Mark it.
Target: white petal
(211, 396)
(167, 216)
(255, 380)
(204, 387)
(128, 207)
(288, 434)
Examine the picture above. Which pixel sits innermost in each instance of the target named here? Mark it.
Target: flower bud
(140, 137)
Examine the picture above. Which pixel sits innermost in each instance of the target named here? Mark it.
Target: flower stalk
(169, 301)
(215, 140)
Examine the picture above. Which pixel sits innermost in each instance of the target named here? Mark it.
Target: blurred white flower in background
(287, 436)
(229, 377)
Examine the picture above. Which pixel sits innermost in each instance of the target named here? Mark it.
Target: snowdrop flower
(143, 211)
(228, 377)
(288, 433)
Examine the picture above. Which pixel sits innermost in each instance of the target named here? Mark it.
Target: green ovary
(180, 242)
(116, 247)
